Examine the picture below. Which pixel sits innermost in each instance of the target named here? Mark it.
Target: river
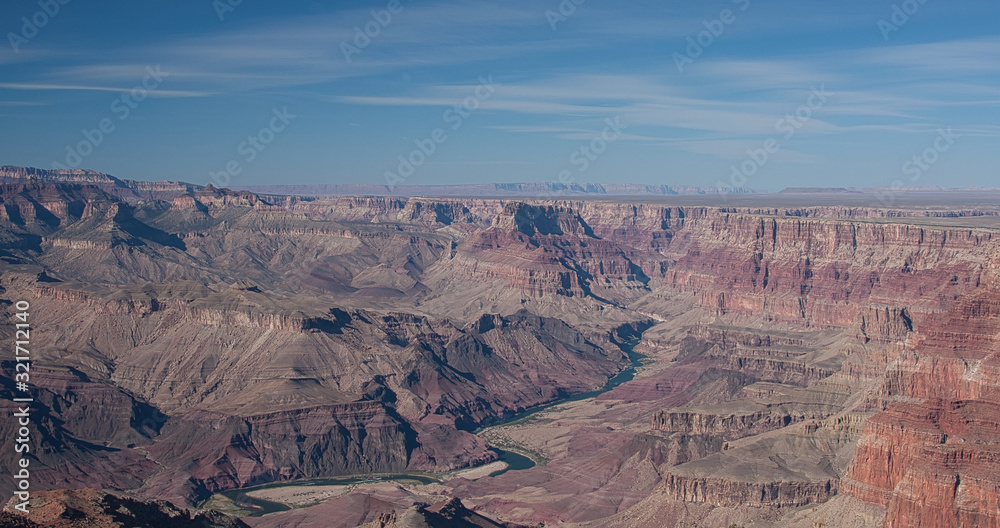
(515, 461)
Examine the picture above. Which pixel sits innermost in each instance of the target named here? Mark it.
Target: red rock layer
(724, 492)
(932, 464)
(729, 426)
(936, 461)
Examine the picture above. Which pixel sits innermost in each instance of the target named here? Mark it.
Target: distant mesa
(542, 190)
(128, 189)
(816, 190)
(166, 190)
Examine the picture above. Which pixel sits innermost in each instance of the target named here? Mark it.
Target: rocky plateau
(803, 363)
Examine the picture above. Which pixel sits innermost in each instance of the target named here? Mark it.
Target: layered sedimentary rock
(727, 426)
(221, 339)
(886, 324)
(728, 492)
(256, 393)
(118, 187)
(933, 464)
(935, 460)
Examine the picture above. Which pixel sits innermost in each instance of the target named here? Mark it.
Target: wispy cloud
(604, 61)
(741, 98)
(980, 55)
(303, 52)
(639, 101)
(150, 93)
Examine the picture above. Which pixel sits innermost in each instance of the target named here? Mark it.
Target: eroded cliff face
(803, 355)
(935, 460)
(126, 189)
(931, 464)
(823, 273)
(248, 388)
(728, 426)
(726, 492)
(224, 452)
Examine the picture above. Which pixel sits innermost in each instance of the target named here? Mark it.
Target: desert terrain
(800, 359)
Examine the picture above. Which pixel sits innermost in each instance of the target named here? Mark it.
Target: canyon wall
(237, 339)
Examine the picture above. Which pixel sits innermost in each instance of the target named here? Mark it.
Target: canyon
(807, 359)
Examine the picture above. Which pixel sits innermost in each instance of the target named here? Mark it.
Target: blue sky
(558, 74)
